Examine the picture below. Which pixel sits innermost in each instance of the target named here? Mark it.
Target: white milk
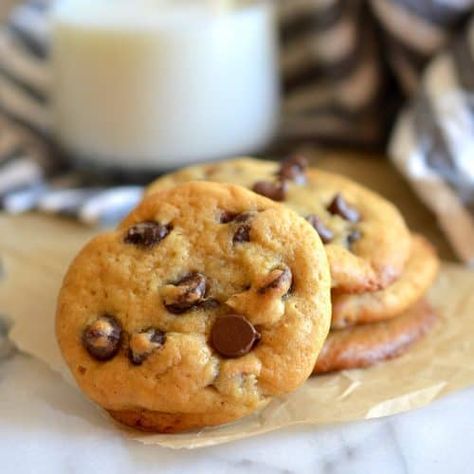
(156, 84)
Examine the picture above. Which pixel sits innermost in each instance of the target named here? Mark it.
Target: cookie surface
(207, 301)
(417, 277)
(367, 241)
(364, 346)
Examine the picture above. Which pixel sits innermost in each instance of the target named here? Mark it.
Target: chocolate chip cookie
(418, 275)
(364, 346)
(365, 236)
(206, 302)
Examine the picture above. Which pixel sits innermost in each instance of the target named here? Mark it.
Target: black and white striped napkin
(433, 141)
(430, 46)
(348, 67)
(332, 72)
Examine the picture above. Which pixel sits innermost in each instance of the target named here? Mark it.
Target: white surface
(436, 439)
(156, 84)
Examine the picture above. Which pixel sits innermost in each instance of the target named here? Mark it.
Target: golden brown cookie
(367, 241)
(419, 273)
(363, 346)
(206, 302)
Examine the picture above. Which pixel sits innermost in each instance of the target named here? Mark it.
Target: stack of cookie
(380, 272)
(206, 302)
(211, 299)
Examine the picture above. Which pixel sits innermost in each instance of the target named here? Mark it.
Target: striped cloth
(348, 68)
(332, 72)
(415, 30)
(433, 141)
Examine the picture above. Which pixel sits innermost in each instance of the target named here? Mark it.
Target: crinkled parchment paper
(440, 364)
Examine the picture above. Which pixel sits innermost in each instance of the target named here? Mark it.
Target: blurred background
(6, 6)
(98, 97)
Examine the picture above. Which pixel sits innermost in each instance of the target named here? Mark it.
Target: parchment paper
(438, 365)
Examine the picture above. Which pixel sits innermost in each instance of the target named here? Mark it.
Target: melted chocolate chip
(275, 191)
(353, 237)
(142, 344)
(227, 216)
(279, 280)
(146, 234)
(242, 234)
(102, 338)
(324, 232)
(293, 169)
(233, 335)
(190, 292)
(340, 207)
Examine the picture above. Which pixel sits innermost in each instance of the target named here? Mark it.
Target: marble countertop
(435, 439)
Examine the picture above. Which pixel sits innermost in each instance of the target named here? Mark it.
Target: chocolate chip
(275, 191)
(142, 344)
(233, 335)
(279, 280)
(242, 234)
(187, 293)
(324, 232)
(340, 207)
(102, 338)
(353, 236)
(147, 234)
(227, 216)
(293, 169)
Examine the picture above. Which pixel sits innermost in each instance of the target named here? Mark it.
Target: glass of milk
(156, 84)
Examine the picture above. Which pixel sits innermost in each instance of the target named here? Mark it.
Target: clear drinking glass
(156, 84)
